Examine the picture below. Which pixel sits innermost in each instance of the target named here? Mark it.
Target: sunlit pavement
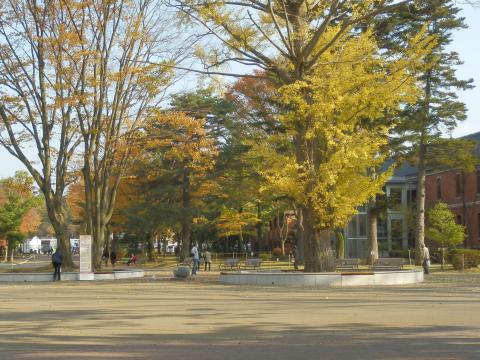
(158, 318)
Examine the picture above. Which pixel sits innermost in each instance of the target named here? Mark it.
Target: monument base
(86, 276)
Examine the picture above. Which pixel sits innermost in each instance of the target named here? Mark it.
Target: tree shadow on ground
(261, 340)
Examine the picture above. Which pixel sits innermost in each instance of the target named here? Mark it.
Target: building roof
(407, 170)
(403, 171)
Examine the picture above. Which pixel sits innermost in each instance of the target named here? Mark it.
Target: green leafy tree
(19, 198)
(442, 227)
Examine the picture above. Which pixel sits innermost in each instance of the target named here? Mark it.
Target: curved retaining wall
(299, 279)
(69, 276)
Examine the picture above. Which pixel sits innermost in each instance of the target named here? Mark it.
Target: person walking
(57, 259)
(295, 255)
(195, 259)
(426, 259)
(113, 258)
(105, 257)
(207, 257)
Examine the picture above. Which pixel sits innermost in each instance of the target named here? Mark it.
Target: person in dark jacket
(57, 260)
(295, 254)
(113, 258)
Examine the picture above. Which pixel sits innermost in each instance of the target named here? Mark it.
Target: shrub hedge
(464, 258)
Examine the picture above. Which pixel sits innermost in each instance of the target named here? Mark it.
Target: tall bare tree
(37, 117)
(79, 72)
(118, 86)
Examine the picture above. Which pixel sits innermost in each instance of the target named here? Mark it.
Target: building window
(439, 189)
(459, 219)
(411, 195)
(478, 224)
(362, 225)
(382, 228)
(478, 181)
(357, 227)
(458, 184)
(352, 227)
(397, 233)
(395, 198)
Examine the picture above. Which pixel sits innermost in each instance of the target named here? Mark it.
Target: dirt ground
(158, 318)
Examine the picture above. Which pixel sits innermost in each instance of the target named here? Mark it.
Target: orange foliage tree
(169, 177)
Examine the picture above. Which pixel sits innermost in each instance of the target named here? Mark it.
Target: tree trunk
(150, 247)
(186, 231)
(98, 246)
(341, 245)
(106, 247)
(464, 209)
(422, 154)
(185, 238)
(319, 256)
(372, 231)
(259, 229)
(165, 244)
(58, 219)
(63, 244)
(63, 239)
(300, 237)
(420, 216)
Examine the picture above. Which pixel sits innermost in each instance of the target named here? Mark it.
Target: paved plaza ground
(158, 318)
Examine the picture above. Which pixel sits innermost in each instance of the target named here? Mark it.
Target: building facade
(393, 220)
(461, 192)
(396, 222)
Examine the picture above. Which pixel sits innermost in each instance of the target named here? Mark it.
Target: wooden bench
(252, 264)
(388, 264)
(347, 264)
(230, 264)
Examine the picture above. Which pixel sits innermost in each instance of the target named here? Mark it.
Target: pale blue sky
(466, 43)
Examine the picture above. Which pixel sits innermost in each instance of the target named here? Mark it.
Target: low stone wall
(70, 276)
(299, 279)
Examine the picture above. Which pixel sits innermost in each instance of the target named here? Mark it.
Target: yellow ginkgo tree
(335, 85)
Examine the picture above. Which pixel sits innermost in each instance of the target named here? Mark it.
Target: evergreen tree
(438, 108)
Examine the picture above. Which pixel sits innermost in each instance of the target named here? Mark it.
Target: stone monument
(86, 272)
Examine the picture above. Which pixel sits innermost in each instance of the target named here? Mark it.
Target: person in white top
(426, 259)
(196, 259)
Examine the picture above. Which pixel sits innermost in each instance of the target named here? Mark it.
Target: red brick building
(461, 192)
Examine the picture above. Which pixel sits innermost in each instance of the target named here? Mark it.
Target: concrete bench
(252, 264)
(230, 264)
(388, 264)
(347, 264)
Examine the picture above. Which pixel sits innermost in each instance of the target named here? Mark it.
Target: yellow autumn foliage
(337, 113)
